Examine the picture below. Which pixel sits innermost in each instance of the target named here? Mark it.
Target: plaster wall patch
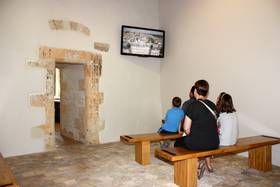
(37, 132)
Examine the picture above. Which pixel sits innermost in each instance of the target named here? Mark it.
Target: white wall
(235, 46)
(131, 85)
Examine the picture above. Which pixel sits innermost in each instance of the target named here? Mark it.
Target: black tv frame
(142, 28)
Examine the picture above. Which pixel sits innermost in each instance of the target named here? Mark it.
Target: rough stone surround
(68, 25)
(101, 46)
(48, 57)
(113, 165)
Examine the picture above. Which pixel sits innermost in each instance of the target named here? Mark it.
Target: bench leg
(260, 158)
(185, 172)
(142, 152)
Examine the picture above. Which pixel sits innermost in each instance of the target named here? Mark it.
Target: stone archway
(48, 57)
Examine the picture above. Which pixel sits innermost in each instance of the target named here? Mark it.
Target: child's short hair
(176, 101)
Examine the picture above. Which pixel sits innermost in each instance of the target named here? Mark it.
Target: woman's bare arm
(187, 125)
(180, 126)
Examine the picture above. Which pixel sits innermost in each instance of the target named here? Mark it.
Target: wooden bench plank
(7, 179)
(148, 137)
(142, 152)
(243, 144)
(260, 158)
(185, 161)
(143, 144)
(183, 172)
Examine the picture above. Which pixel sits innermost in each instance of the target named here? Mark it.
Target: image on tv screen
(142, 41)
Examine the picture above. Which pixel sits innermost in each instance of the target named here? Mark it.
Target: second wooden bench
(143, 144)
(7, 179)
(186, 161)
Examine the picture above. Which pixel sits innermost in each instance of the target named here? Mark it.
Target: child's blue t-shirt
(173, 119)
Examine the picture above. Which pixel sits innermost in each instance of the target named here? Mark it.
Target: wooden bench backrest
(148, 137)
(6, 176)
(243, 144)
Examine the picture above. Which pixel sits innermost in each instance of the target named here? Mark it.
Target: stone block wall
(92, 66)
(68, 25)
(80, 96)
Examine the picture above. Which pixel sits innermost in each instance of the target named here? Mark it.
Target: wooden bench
(7, 179)
(143, 144)
(185, 161)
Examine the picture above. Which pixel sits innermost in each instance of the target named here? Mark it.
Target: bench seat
(143, 144)
(185, 161)
(7, 179)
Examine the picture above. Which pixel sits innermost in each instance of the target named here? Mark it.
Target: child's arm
(163, 120)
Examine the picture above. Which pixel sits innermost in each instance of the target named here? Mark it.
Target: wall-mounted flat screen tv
(139, 41)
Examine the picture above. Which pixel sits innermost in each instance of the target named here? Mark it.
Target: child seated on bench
(227, 121)
(172, 121)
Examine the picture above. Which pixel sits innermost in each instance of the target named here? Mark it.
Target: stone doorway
(69, 104)
(91, 64)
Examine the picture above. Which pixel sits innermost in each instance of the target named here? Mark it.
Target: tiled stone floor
(61, 140)
(112, 165)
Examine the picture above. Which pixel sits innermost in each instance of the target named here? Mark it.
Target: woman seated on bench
(200, 125)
